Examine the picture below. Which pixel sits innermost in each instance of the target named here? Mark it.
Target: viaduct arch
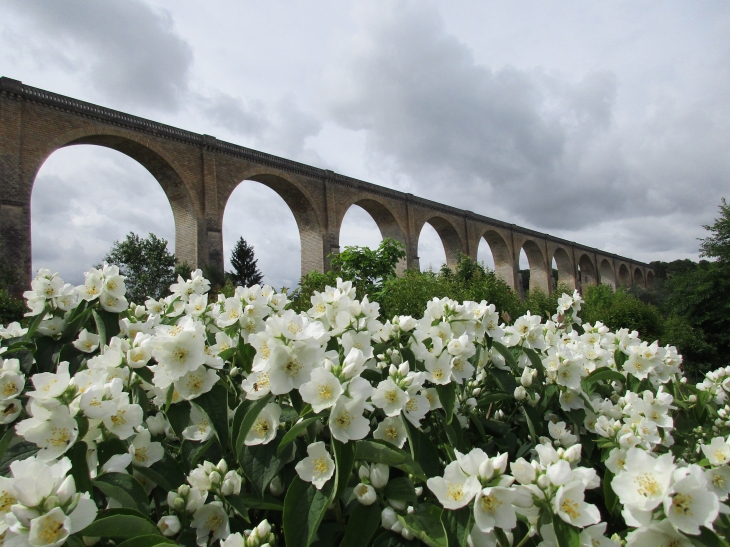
(199, 172)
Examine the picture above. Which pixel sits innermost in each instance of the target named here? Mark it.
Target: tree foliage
(245, 270)
(717, 245)
(149, 267)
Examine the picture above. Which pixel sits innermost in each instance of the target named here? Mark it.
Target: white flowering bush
(241, 423)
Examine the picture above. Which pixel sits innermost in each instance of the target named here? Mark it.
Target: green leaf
(146, 541)
(304, 509)
(100, 328)
(457, 525)
(252, 501)
(505, 379)
(425, 524)
(362, 525)
(507, 354)
(247, 423)
(179, 417)
(602, 374)
(121, 526)
(609, 495)
(490, 398)
(381, 452)
(5, 441)
(125, 489)
(447, 396)
(239, 505)
(193, 452)
(566, 535)
(344, 460)
(400, 489)
(109, 448)
(238, 415)
(534, 359)
(708, 538)
(18, 451)
(246, 353)
(80, 467)
(165, 473)
(215, 405)
(82, 423)
(145, 373)
(34, 323)
(293, 433)
(423, 450)
(261, 464)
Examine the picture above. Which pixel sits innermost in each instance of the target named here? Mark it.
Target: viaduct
(199, 172)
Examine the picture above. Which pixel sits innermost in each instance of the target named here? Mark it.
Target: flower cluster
(338, 423)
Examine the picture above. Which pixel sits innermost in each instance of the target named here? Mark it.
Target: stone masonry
(199, 172)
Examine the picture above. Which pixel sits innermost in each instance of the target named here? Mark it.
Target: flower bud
(397, 504)
(692, 398)
(169, 525)
(263, 528)
(379, 474)
(388, 518)
(51, 503)
(407, 534)
(476, 392)
(534, 399)
(543, 482)
(235, 371)
(178, 504)
(67, 490)
(526, 379)
(215, 477)
(392, 370)
(365, 494)
(139, 312)
(364, 472)
(222, 467)
(403, 368)
(396, 358)
(231, 484)
(183, 490)
(276, 487)
(419, 491)
(520, 393)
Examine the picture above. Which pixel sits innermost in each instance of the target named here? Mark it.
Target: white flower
(194, 383)
(263, 431)
(416, 408)
(318, 467)
(145, 452)
(11, 384)
(49, 385)
(199, 428)
(389, 397)
(86, 342)
(570, 506)
(256, 385)
(455, 489)
(178, 355)
(290, 368)
(593, 536)
(392, 430)
(234, 540)
(439, 368)
(54, 436)
(717, 452)
(379, 474)
(346, 420)
(645, 482)
(125, 419)
(658, 534)
(365, 494)
(691, 504)
(493, 508)
(211, 523)
(322, 391)
(719, 481)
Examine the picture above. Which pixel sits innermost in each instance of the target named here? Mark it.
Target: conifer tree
(245, 272)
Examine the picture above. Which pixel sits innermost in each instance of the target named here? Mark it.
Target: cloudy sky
(606, 123)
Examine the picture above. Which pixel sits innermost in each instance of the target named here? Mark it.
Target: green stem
(524, 539)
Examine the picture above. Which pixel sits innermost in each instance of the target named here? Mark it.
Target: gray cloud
(130, 51)
(87, 197)
(542, 149)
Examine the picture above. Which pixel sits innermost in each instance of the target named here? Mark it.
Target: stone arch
(624, 276)
(449, 236)
(539, 278)
(566, 270)
(649, 278)
(607, 275)
(503, 263)
(299, 203)
(638, 276)
(186, 208)
(587, 271)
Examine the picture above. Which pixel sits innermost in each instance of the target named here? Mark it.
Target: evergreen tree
(245, 272)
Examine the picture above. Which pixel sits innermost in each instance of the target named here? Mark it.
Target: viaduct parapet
(199, 172)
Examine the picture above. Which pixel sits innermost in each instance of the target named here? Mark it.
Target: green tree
(245, 271)
(11, 308)
(367, 268)
(149, 267)
(718, 244)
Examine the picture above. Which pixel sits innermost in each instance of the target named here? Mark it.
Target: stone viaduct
(199, 172)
